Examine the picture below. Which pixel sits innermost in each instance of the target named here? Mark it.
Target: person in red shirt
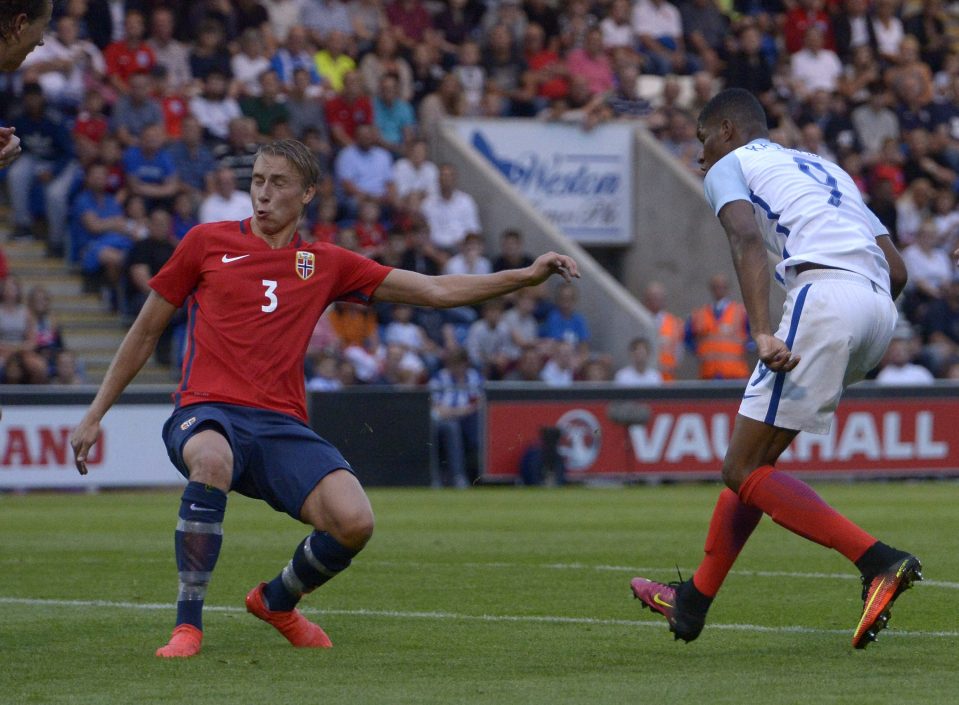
(254, 292)
(349, 109)
(808, 13)
(131, 54)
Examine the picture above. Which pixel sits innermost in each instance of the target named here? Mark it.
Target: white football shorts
(839, 323)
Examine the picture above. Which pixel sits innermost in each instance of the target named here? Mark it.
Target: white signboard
(580, 180)
(35, 448)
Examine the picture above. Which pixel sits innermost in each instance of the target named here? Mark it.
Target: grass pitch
(486, 596)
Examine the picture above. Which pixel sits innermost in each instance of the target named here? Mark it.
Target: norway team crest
(305, 264)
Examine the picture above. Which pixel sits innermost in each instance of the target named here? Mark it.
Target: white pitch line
(638, 570)
(453, 616)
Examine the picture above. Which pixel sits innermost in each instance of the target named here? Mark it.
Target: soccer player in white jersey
(841, 273)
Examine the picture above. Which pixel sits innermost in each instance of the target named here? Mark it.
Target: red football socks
(793, 504)
(731, 525)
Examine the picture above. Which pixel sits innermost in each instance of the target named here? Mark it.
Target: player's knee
(733, 474)
(353, 529)
(210, 465)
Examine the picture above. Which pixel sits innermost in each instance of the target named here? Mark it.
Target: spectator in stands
(364, 170)
(748, 66)
(502, 63)
(321, 17)
(393, 117)
(455, 391)
(528, 367)
(414, 176)
(577, 17)
(800, 19)
(214, 107)
(638, 372)
(545, 68)
(888, 30)
(682, 143)
(718, 334)
(447, 100)
(226, 202)
(470, 259)
(852, 29)
(565, 323)
(930, 270)
(370, 233)
(403, 331)
(460, 21)
(591, 62)
(64, 64)
(898, 368)
(861, 76)
(814, 67)
(617, 27)
(143, 262)
(385, 60)
(520, 324)
(596, 368)
(450, 214)
(930, 26)
(303, 106)
(333, 62)
(913, 208)
(184, 213)
(294, 54)
(267, 109)
(325, 227)
(130, 55)
(420, 255)
(150, 170)
(192, 159)
(249, 63)
(48, 335)
(324, 377)
(209, 54)
(488, 341)
(66, 369)
(705, 28)
(670, 330)
(239, 151)
(427, 72)
(94, 212)
(940, 327)
(369, 22)
(135, 109)
(47, 162)
(511, 254)
(169, 52)
(659, 27)
(348, 110)
(875, 122)
(560, 368)
(409, 20)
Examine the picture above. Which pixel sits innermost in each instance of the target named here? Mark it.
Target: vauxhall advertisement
(582, 181)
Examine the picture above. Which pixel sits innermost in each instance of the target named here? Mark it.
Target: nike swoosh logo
(660, 602)
(194, 508)
(226, 259)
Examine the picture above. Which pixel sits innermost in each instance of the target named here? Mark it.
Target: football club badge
(305, 264)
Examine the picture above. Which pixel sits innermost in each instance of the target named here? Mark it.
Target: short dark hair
(299, 156)
(11, 9)
(738, 106)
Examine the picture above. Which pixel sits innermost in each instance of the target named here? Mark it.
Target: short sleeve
(359, 276)
(725, 183)
(878, 229)
(177, 279)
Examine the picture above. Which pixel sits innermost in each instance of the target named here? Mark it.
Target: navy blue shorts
(276, 458)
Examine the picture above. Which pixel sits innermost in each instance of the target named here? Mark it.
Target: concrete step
(105, 341)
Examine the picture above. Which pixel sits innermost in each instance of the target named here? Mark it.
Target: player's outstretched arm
(134, 351)
(752, 270)
(449, 290)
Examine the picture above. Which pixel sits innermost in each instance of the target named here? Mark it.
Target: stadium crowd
(140, 119)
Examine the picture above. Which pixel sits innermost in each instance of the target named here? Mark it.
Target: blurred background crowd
(141, 119)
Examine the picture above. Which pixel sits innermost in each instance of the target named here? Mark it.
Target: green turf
(485, 596)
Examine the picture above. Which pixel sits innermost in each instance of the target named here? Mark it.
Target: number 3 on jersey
(270, 296)
(807, 166)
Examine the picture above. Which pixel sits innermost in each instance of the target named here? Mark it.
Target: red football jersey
(252, 310)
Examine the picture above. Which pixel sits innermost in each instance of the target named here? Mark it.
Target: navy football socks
(317, 559)
(199, 534)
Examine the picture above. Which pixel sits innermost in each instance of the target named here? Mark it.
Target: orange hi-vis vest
(670, 339)
(721, 342)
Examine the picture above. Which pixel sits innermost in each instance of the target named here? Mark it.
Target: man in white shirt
(364, 170)
(170, 53)
(450, 213)
(414, 176)
(638, 373)
(225, 203)
(899, 370)
(814, 68)
(659, 27)
(841, 273)
(214, 108)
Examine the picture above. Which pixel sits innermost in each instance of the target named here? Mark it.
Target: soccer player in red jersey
(254, 293)
(21, 30)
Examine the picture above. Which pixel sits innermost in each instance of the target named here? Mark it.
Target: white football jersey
(808, 209)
